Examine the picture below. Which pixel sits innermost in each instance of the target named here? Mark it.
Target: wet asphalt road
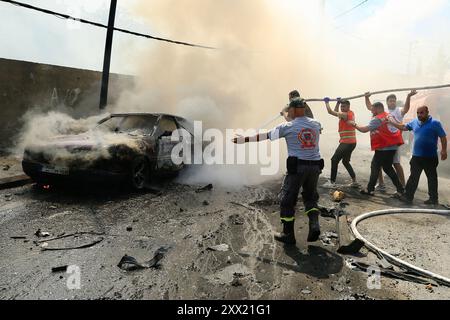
(178, 218)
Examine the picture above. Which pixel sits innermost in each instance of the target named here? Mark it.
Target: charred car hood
(89, 148)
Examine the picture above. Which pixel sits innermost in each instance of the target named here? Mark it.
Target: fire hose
(390, 258)
(362, 96)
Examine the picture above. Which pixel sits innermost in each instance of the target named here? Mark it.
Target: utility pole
(107, 59)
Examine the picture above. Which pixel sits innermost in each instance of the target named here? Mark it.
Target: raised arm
(407, 106)
(368, 102)
(335, 112)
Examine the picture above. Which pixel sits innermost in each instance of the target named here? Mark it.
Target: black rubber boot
(288, 234)
(314, 226)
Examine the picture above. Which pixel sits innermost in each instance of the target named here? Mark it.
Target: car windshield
(130, 124)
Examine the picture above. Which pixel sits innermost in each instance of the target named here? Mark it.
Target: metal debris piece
(85, 246)
(18, 238)
(402, 275)
(129, 263)
(60, 269)
(209, 187)
(220, 247)
(306, 292)
(41, 234)
(331, 235)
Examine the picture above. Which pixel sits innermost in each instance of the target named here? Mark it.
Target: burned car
(123, 148)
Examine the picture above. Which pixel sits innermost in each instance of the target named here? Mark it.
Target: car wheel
(139, 173)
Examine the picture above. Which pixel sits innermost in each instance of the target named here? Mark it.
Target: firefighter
(304, 167)
(385, 143)
(347, 143)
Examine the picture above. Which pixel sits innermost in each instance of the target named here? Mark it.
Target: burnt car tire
(139, 173)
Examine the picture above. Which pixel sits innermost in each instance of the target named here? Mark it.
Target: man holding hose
(385, 143)
(347, 143)
(427, 132)
(397, 115)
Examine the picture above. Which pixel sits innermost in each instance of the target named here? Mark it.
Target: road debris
(129, 263)
(306, 292)
(60, 269)
(237, 220)
(401, 275)
(18, 238)
(209, 187)
(41, 234)
(338, 196)
(205, 203)
(6, 167)
(85, 246)
(220, 248)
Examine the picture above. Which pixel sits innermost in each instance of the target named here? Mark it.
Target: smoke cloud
(266, 49)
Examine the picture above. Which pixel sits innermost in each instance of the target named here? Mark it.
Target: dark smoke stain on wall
(25, 86)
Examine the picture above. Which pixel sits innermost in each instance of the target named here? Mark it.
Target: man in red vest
(347, 142)
(385, 143)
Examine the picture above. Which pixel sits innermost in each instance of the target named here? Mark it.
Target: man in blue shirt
(427, 132)
(305, 165)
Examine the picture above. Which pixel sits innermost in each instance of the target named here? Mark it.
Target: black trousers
(384, 160)
(418, 165)
(306, 177)
(343, 153)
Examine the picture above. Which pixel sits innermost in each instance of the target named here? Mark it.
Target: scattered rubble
(338, 196)
(129, 263)
(209, 187)
(306, 292)
(41, 234)
(60, 269)
(220, 248)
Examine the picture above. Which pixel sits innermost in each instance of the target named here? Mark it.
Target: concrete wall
(27, 85)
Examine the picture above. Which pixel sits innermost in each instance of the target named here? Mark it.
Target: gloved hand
(327, 100)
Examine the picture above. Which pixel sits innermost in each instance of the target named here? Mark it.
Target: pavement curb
(15, 182)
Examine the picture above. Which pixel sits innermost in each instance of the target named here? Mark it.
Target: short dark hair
(391, 96)
(297, 103)
(294, 94)
(345, 103)
(378, 105)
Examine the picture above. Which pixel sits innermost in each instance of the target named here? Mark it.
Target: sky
(418, 30)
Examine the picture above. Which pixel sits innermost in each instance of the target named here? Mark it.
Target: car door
(165, 145)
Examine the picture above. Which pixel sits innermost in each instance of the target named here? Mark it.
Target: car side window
(166, 126)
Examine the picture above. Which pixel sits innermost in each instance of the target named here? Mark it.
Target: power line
(350, 10)
(100, 25)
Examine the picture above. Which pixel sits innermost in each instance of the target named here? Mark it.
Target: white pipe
(391, 258)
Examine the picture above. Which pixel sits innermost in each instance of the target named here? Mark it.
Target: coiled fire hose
(362, 96)
(390, 258)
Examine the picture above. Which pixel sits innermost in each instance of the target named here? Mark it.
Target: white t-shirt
(396, 115)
